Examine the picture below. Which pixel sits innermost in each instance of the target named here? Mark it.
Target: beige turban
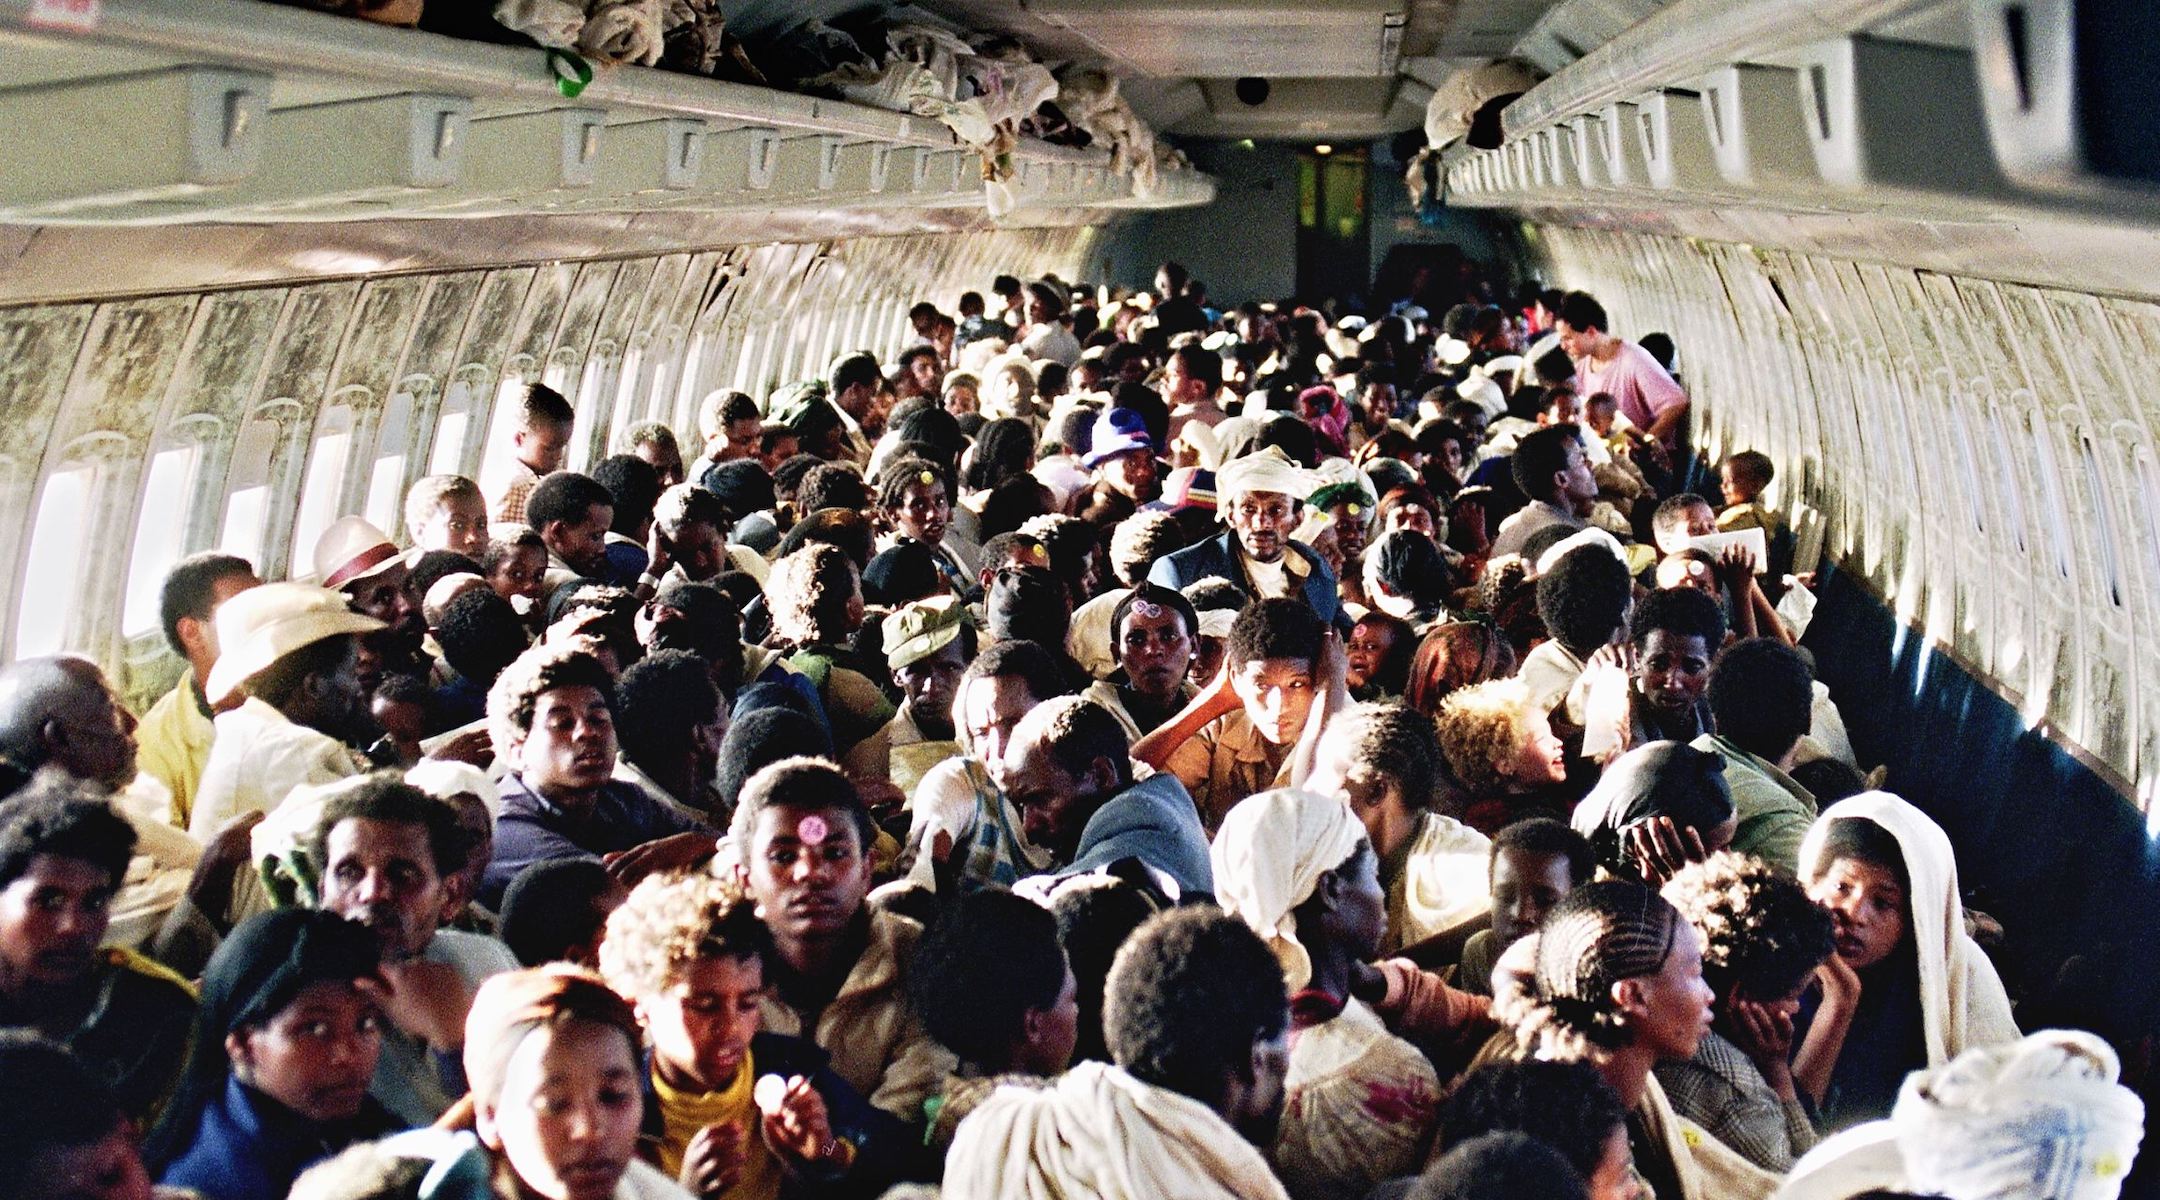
(1100, 1133)
(1268, 470)
(2042, 1116)
(1268, 857)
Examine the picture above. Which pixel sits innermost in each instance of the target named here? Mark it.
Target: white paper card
(1715, 545)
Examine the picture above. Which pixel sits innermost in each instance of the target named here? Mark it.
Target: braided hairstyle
(1600, 934)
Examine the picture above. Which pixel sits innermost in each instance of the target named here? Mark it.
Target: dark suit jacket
(1219, 556)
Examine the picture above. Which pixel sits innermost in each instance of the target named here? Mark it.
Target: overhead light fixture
(1323, 148)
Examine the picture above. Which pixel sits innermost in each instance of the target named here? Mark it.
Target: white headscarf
(2038, 1117)
(2041, 1118)
(1099, 1134)
(1962, 1002)
(1268, 856)
(1268, 470)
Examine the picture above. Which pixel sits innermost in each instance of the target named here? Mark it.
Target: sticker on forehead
(1147, 608)
(813, 830)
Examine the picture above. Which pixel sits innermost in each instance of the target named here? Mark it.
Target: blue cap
(1118, 431)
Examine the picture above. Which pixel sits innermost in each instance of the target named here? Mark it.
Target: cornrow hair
(1598, 935)
(895, 480)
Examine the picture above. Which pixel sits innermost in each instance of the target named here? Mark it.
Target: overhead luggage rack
(181, 111)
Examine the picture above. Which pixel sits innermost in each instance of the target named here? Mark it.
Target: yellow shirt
(173, 743)
(685, 1113)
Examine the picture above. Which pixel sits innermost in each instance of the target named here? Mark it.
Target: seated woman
(1452, 657)
(1907, 987)
(1657, 808)
(1764, 941)
(1614, 978)
(285, 1047)
(1359, 1102)
(1406, 577)
(1501, 747)
(1411, 508)
(817, 604)
(1385, 760)
(689, 954)
(552, 1056)
(1154, 632)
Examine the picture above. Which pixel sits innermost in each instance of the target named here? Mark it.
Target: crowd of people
(1117, 748)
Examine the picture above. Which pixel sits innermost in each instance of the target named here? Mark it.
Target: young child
(537, 443)
(730, 1110)
(1535, 863)
(516, 567)
(1742, 478)
(446, 512)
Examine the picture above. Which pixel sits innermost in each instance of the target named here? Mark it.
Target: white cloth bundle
(554, 23)
(1099, 1134)
(1268, 857)
(1457, 101)
(624, 31)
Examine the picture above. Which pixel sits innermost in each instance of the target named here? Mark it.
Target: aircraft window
(2103, 506)
(495, 452)
(2051, 491)
(57, 538)
(159, 536)
(322, 492)
(449, 444)
(454, 419)
(247, 505)
(393, 442)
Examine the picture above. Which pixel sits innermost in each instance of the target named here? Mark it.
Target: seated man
(1261, 495)
(62, 731)
(289, 653)
(552, 719)
(672, 722)
(1762, 698)
(1534, 865)
(386, 851)
(82, 1146)
(126, 1017)
(962, 822)
(359, 560)
(928, 645)
(1067, 770)
(175, 735)
(572, 514)
(1583, 601)
(690, 953)
(1385, 760)
(838, 973)
(1198, 1022)
(1234, 739)
(1550, 467)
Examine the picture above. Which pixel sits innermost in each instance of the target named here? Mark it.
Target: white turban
(1268, 857)
(2040, 1117)
(447, 780)
(1098, 1132)
(1268, 470)
(1216, 622)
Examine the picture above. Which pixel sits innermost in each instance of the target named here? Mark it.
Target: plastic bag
(624, 31)
(552, 23)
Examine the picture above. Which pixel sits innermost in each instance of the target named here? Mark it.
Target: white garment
(1271, 581)
(2041, 1117)
(409, 1081)
(1269, 854)
(259, 757)
(1087, 636)
(1549, 671)
(1052, 341)
(1962, 1002)
(1099, 1134)
(159, 871)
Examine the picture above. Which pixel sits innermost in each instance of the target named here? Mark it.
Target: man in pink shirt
(1647, 395)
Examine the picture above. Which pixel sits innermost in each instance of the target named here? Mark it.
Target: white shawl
(1100, 1134)
(1962, 1000)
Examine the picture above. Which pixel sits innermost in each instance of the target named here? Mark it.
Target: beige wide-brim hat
(262, 625)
